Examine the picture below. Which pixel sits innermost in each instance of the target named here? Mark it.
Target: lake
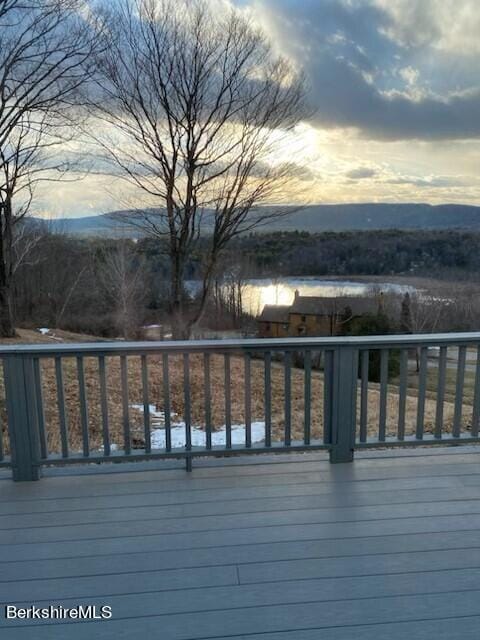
(258, 292)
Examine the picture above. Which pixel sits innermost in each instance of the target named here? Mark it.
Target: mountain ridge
(313, 219)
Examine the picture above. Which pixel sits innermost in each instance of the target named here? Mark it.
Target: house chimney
(297, 293)
(381, 301)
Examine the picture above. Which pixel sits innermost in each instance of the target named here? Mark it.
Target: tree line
(112, 287)
(443, 253)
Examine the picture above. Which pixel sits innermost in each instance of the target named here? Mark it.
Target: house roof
(315, 305)
(274, 313)
(318, 306)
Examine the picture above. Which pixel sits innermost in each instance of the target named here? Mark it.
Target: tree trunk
(7, 328)
(180, 327)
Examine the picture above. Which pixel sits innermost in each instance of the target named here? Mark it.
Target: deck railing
(127, 401)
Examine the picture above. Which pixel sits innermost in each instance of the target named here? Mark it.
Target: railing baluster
(287, 363)
(364, 396)
(327, 396)
(457, 415)
(384, 353)
(208, 400)
(146, 405)
(166, 403)
(402, 393)
(125, 408)
(188, 419)
(83, 406)
(61, 406)
(42, 436)
(422, 384)
(228, 403)
(476, 398)
(307, 396)
(268, 398)
(104, 404)
(248, 401)
(442, 370)
(2, 450)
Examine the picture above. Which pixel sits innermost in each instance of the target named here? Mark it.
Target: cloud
(395, 89)
(445, 25)
(360, 173)
(381, 66)
(442, 182)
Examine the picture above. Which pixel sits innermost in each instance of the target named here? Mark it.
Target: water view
(280, 291)
(257, 292)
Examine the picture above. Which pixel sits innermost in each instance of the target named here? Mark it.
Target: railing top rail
(255, 344)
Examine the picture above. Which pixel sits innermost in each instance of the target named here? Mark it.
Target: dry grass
(237, 390)
(31, 336)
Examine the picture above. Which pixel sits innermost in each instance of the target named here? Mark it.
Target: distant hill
(351, 217)
(317, 218)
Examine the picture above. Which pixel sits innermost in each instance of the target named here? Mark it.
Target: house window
(267, 326)
(285, 326)
(301, 331)
(304, 318)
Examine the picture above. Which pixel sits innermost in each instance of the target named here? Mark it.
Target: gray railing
(96, 402)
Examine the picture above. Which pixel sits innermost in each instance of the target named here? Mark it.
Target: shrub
(374, 325)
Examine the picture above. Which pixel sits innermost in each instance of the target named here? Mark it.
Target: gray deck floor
(290, 549)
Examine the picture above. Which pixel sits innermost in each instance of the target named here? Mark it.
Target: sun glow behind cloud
(395, 98)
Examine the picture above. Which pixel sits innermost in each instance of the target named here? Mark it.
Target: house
(314, 316)
(274, 321)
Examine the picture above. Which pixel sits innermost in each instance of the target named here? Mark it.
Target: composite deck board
(52, 488)
(244, 621)
(310, 563)
(222, 488)
(231, 519)
(270, 497)
(145, 603)
(274, 534)
(234, 554)
(328, 491)
(217, 525)
(321, 503)
(284, 464)
(154, 506)
(385, 547)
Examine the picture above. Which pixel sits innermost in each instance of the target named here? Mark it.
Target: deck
(284, 548)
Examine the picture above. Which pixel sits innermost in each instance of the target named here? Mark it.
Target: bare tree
(425, 313)
(194, 105)
(46, 55)
(121, 275)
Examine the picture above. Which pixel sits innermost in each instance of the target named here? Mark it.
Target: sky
(394, 95)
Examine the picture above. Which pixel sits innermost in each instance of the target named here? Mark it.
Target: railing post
(344, 400)
(22, 417)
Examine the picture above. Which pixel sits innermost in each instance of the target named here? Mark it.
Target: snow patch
(156, 417)
(198, 435)
(44, 331)
(113, 447)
